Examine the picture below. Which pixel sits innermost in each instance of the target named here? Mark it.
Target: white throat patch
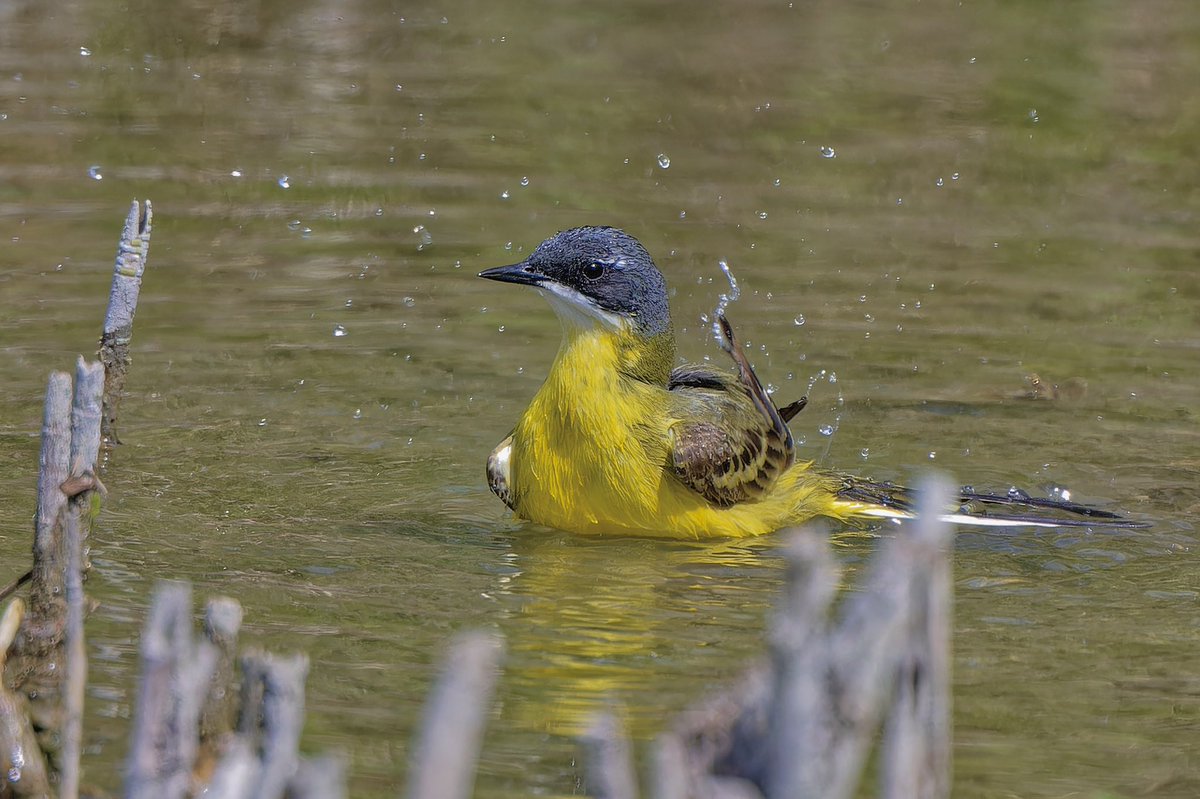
(577, 310)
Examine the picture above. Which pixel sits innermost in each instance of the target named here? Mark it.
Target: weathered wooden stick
(77, 515)
(21, 760)
(609, 758)
(46, 591)
(132, 252)
(915, 759)
(322, 777)
(156, 769)
(76, 662)
(802, 727)
(86, 417)
(670, 768)
(222, 622)
(35, 667)
(831, 687)
(443, 762)
(250, 701)
(236, 774)
(283, 721)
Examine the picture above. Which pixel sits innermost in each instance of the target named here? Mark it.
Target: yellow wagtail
(620, 440)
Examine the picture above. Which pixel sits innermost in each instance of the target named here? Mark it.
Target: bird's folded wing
(723, 447)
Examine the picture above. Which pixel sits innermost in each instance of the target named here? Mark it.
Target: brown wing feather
(731, 442)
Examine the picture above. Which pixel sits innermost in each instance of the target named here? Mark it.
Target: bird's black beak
(522, 274)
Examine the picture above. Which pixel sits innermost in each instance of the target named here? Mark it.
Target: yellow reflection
(639, 620)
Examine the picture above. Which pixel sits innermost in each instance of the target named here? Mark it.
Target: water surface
(924, 205)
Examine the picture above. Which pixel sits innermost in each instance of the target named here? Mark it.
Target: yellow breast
(590, 450)
(592, 454)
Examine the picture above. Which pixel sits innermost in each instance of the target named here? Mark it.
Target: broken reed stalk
(132, 252)
(173, 683)
(916, 754)
(443, 762)
(832, 685)
(80, 488)
(222, 622)
(609, 758)
(49, 662)
(803, 726)
(185, 707)
(282, 721)
(21, 759)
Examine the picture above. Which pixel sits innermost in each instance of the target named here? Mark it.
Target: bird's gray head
(595, 275)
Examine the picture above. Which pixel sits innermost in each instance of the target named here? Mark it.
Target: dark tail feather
(1016, 506)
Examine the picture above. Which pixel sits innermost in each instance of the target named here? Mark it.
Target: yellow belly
(592, 454)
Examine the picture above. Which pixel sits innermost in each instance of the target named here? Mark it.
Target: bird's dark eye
(593, 271)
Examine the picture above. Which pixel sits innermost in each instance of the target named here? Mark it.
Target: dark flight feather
(731, 442)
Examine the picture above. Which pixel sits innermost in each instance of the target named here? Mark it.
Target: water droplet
(1033, 115)
(862, 297)
(14, 774)
(899, 201)
(339, 331)
(409, 302)
(864, 453)
(828, 152)
(799, 320)
(85, 52)
(869, 317)
(932, 455)
(94, 172)
(683, 214)
(664, 161)
(349, 302)
(525, 181)
(833, 377)
(237, 173)
(939, 183)
(424, 237)
(778, 182)
(284, 182)
(500, 329)
(762, 214)
(262, 422)
(825, 429)
(504, 194)
(358, 414)
(954, 176)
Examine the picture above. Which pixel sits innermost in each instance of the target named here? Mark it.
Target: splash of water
(723, 302)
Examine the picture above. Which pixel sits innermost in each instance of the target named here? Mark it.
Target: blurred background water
(926, 205)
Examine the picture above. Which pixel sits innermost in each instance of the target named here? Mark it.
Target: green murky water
(924, 204)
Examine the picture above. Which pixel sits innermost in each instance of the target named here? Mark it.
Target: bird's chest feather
(591, 447)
